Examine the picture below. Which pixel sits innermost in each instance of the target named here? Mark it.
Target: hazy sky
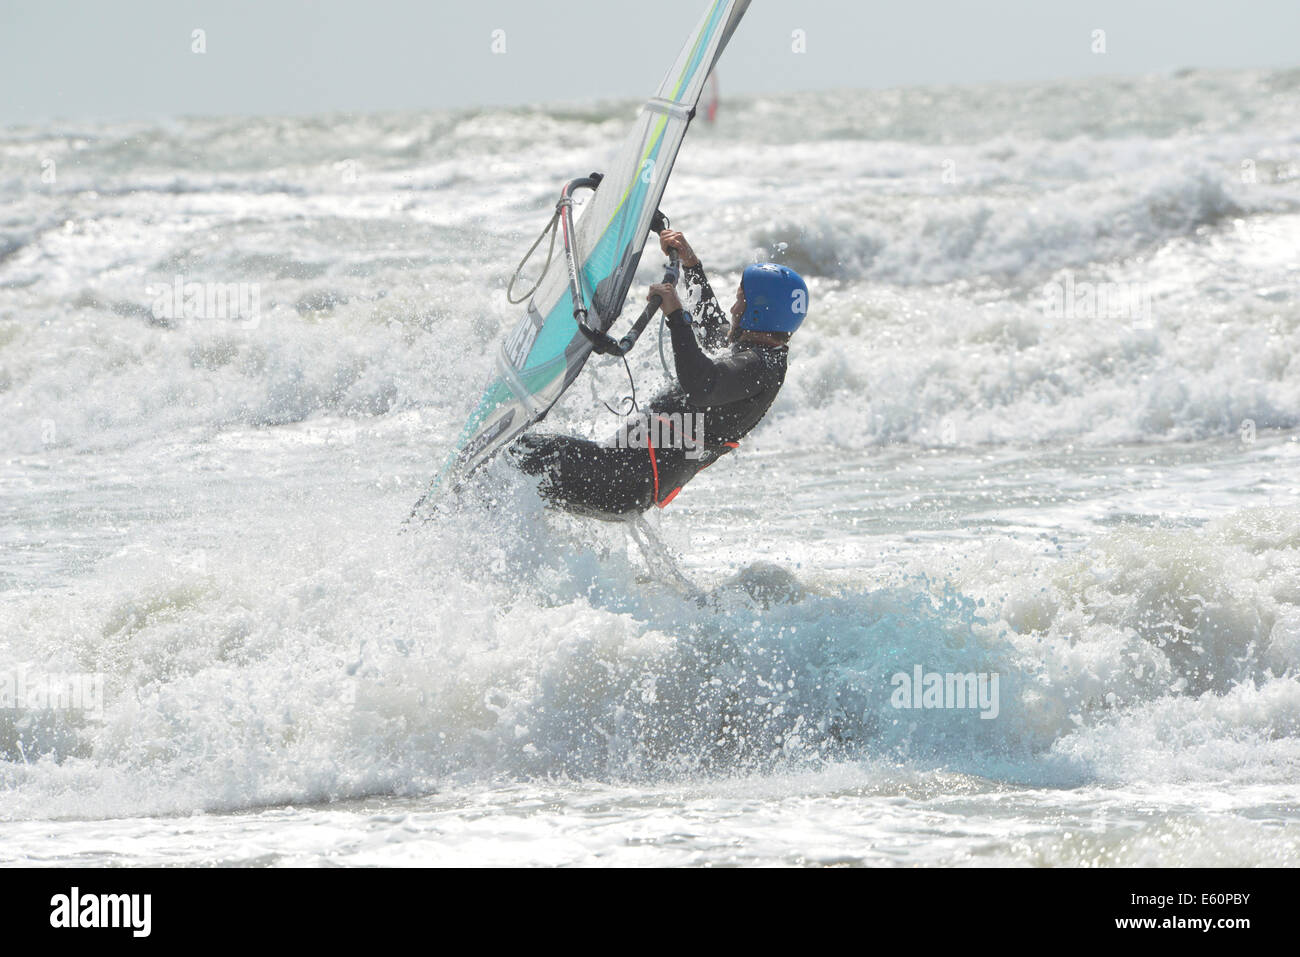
(84, 59)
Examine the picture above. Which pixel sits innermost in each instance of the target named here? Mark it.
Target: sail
(544, 353)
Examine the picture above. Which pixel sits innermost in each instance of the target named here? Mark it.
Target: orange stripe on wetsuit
(654, 467)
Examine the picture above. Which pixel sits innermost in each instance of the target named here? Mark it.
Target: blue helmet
(776, 298)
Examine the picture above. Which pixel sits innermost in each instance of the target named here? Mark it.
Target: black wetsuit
(644, 466)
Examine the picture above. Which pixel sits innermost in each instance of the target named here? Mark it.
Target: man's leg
(587, 478)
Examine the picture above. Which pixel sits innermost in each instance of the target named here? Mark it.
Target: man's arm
(708, 313)
(708, 381)
(709, 317)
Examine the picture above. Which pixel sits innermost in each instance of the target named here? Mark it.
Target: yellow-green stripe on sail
(656, 134)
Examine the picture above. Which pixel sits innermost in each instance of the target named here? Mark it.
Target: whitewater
(1100, 507)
